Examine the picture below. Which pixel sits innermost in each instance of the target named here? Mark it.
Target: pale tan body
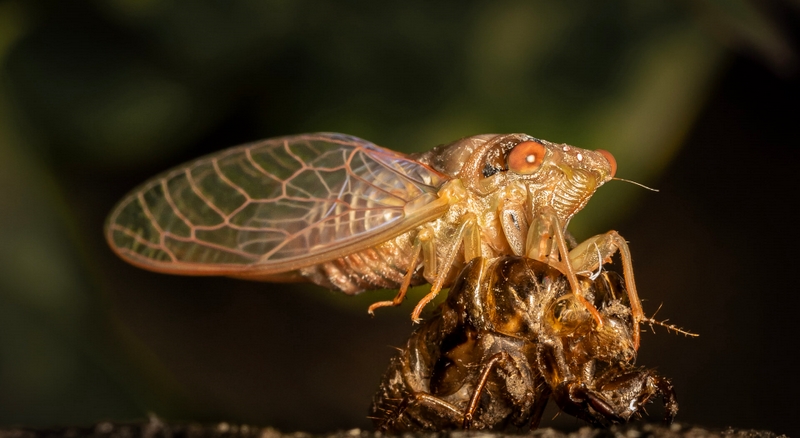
(492, 198)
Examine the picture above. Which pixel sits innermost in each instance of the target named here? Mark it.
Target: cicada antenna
(635, 183)
(670, 327)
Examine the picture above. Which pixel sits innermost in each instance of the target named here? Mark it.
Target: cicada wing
(270, 207)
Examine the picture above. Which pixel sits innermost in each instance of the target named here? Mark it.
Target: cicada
(346, 214)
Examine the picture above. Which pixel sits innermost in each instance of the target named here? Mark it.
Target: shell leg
(504, 362)
(420, 411)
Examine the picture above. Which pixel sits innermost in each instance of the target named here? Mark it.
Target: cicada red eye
(607, 155)
(526, 157)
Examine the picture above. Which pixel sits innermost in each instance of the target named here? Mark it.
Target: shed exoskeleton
(509, 337)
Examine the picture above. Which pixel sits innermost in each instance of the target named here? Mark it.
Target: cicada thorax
(518, 195)
(518, 178)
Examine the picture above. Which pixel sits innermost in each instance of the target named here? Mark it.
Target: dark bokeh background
(698, 98)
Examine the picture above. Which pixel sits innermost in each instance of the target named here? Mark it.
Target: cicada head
(556, 175)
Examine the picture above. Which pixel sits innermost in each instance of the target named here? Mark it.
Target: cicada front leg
(546, 242)
(590, 255)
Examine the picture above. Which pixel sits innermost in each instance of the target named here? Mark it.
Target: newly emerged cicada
(346, 214)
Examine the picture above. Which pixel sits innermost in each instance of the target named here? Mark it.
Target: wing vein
(154, 222)
(259, 168)
(226, 180)
(201, 195)
(174, 207)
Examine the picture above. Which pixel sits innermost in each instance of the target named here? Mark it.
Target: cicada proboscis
(346, 214)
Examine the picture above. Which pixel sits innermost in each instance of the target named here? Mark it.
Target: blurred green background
(697, 98)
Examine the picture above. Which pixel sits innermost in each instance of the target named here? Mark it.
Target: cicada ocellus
(346, 214)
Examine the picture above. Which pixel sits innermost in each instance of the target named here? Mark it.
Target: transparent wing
(271, 207)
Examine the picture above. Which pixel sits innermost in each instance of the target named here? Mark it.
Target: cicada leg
(593, 252)
(468, 233)
(545, 230)
(423, 243)
(451, 193)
